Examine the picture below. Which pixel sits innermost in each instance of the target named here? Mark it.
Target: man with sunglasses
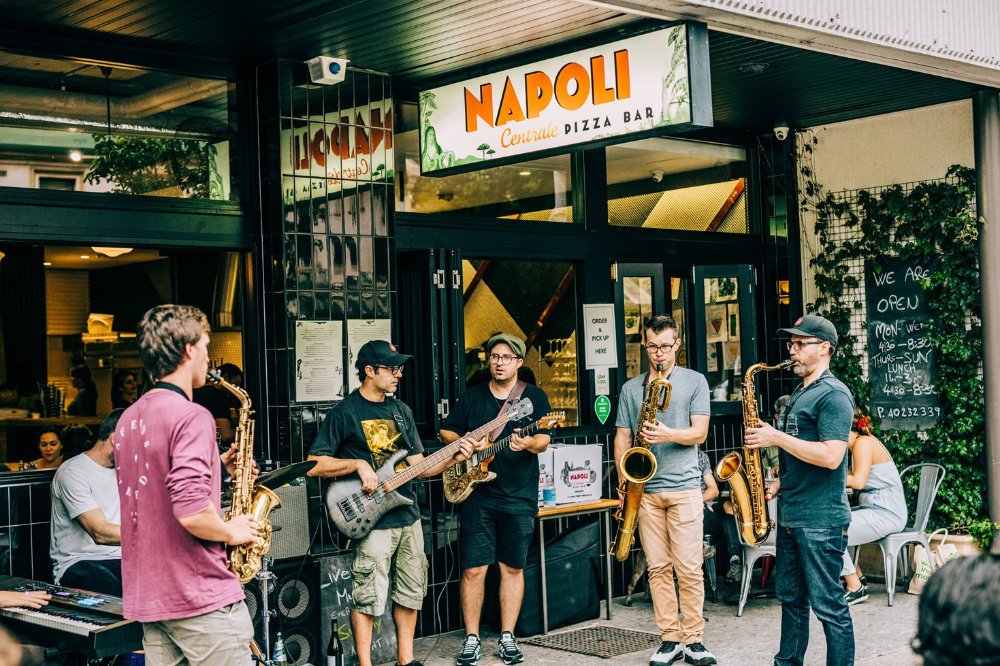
(506, 506)
(357, 436)
(671, 521)
(813, 513)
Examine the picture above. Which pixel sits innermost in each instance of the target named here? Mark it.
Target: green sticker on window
(602, 407)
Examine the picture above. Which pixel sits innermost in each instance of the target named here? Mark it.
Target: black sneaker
(857, 596)
(507, 649)
(696, 653)
(472, 651)
(412, 663)
(668, 653)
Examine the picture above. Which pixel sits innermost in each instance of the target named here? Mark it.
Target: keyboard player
(85, 545)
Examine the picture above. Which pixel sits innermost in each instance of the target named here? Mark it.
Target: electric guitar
(462, 478)
(355, 512)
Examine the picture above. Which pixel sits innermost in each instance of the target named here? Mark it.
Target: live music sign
(652, 84)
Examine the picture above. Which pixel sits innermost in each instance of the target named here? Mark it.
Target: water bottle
(549, 491)
(278, 653)
(334, 650)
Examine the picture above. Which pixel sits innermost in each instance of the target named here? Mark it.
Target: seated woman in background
(881, 506)
(51, 448)
(124, 389)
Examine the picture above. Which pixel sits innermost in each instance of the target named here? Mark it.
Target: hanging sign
(602, 408)
(602, 381)
(654, 82)
(599, 335)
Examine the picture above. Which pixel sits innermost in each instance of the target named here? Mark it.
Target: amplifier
(292, 517)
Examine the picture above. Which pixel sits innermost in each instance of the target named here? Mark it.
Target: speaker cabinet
(291, 523)
(295, 600)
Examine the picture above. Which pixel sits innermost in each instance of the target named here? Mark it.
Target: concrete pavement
(882, 635)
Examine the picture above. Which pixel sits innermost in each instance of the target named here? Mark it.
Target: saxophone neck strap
(171, 387)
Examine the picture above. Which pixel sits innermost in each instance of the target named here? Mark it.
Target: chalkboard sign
(336, 583)
(902, 364)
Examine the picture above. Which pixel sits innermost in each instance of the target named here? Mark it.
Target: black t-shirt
(359, 429)
(515, 490)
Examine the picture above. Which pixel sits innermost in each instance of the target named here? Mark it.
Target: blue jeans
(808, 574)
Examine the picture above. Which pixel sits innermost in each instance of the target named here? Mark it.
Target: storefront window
(638, 301)
(682, 185)
(536, 190)
(723, 363)
(536, 301)
(67, 125)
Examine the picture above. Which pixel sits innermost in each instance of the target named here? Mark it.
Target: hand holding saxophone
(243, 530)
(761, 437)
(655, 432)
(229, 460)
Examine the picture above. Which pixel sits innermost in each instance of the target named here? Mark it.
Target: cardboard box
(544, 472)
(578, 469)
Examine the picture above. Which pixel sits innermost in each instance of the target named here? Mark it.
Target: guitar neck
(501, 444)
(442, 454)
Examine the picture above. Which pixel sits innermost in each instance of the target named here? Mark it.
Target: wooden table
(603, 507)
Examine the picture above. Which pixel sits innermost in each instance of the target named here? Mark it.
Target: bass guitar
(355, 512)
(462, 478)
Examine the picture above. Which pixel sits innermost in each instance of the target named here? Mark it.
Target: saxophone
(248, 498)
(638, 466)
(744, 473)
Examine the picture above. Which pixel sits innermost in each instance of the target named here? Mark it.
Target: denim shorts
(395, 554)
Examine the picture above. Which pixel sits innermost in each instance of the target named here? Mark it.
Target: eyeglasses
(502, 360)
(797, 345)
(393, 369)
(652, 349)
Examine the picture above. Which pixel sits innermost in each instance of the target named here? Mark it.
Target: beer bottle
(334, 650)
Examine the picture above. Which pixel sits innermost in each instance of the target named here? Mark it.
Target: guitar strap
(511, 399)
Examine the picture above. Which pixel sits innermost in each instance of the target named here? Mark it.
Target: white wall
(882, 150)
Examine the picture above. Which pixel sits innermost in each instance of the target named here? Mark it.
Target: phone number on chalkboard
(907, 412)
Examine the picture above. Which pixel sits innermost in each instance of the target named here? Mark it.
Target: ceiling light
(112, 251)
(75, 155)
(524, 173)
(46, 263)
(85, 256)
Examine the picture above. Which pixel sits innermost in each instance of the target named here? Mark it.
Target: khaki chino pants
(671, 529)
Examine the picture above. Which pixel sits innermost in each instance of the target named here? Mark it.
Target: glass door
(642, 290)
(724, 329)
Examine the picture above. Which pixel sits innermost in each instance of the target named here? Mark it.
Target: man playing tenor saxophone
(670, 514)
(813, 513)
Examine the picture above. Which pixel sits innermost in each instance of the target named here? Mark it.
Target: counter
(18, 439)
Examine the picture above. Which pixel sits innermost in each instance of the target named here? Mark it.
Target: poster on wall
(658, 81)
(319, 360)
(360, 331)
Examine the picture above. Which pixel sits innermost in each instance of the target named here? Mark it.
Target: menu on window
(319, 360)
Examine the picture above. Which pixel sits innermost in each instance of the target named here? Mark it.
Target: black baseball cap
(379, 352)
(813, 326)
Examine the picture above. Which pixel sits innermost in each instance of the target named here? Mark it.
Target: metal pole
(986, 133)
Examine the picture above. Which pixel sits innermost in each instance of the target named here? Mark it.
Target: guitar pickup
(346, 509)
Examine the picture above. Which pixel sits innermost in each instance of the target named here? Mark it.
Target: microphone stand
(264, 577)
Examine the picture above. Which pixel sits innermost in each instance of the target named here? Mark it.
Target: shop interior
(93, 299)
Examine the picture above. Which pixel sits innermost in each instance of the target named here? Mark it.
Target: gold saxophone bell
(638, 465)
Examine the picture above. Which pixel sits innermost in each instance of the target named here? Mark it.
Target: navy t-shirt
(515, 490)
(359, 429)
(813, 496)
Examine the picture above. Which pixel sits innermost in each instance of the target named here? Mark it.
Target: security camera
(326, 70)
(781, 132)
(657, 175)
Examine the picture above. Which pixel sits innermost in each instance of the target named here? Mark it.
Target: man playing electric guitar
(358, 435)
(506, 505)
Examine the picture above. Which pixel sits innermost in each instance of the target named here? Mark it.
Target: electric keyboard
(87, 623)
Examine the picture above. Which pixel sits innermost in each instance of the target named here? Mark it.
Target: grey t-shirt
(813, 496)
(676, 464)
(81, 485)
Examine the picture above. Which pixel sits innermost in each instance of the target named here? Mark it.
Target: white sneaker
(698, 654)
(668, 653)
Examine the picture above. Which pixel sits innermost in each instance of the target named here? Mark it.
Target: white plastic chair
(931, 476)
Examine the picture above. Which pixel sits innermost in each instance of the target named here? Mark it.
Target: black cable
(447, 577)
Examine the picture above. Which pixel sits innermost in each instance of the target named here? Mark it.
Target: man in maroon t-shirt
(174, 574)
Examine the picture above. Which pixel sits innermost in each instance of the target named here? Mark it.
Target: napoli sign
(653, 83)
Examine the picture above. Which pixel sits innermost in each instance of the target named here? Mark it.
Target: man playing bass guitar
(506, 505)
(357, 436)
